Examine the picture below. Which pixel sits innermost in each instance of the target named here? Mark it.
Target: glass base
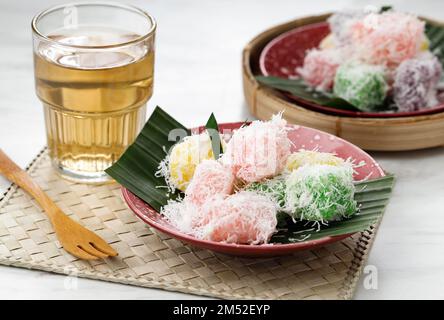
(83, 145)
(100, 177)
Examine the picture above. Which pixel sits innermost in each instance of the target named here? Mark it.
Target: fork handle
(14, 173)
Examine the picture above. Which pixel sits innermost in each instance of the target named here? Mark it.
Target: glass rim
(132, 8)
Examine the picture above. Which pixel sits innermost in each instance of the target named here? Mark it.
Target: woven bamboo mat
(150, 259)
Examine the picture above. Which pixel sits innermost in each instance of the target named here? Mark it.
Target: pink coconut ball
(340, 23)
(258, 151)
(244, 218)
(319, 68)
(183, 215)
(210, 178)
(388, 38)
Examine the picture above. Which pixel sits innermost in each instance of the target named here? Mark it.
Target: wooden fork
(75, 239)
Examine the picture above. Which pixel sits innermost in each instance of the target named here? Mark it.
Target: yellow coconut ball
(301, 158)
(186, 155)
(425, 45)
(328, 42)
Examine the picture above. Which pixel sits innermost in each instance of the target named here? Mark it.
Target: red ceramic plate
(284, 54)
(302, 138)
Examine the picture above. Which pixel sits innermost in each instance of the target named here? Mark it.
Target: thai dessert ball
(244, 217)
(185, 156)
(210, 178)
(362, 85)
(306, 157)
(340, 25)
(319, 67)
(388, 38)
(320, 193)
(415, 83)
(258, 151)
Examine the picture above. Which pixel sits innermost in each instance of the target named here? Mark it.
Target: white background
(198, 70)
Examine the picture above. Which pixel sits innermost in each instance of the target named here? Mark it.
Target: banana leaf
(213, 131)
(298, 88)
(435, 34)
(136, 170)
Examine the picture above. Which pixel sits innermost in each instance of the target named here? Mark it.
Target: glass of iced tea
(93, 66)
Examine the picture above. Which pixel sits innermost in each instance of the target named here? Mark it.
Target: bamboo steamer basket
(375, 134)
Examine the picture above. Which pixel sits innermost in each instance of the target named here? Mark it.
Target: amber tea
(94, 93)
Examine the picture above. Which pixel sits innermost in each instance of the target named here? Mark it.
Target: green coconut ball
(273, 188)
(320, 193)
(362, 85)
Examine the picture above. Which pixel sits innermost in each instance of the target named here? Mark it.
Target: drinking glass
(93, 65)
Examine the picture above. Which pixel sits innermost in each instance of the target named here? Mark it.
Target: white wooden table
(198, 70)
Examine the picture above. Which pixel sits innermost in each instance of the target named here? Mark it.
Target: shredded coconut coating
(258, 151)
(184, 216)
(210, 178)
(272, 188)
(305, 157)
(275, 188)
(184, 157)
(320, 67)
(362, 85)
(244, 217)
(321, 193)
(415, 83)
(387, 39)
(340, 25)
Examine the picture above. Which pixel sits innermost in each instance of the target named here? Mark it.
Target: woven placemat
(149, 259)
